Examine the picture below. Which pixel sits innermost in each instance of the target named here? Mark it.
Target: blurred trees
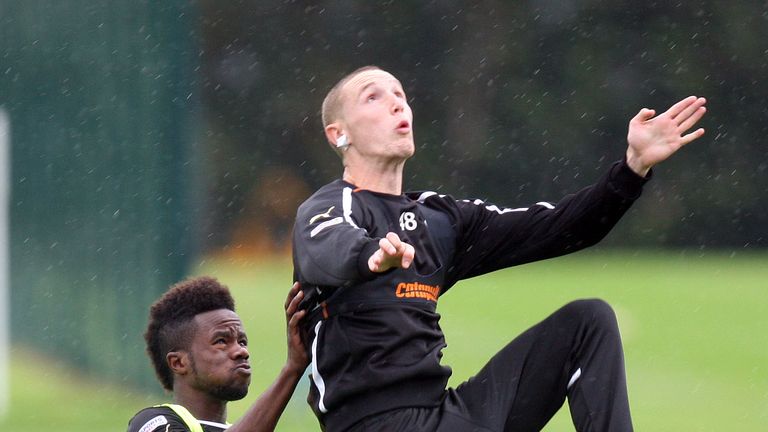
(513, 101)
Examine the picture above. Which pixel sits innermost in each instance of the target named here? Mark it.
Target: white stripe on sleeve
(495, 208)
(326, 224)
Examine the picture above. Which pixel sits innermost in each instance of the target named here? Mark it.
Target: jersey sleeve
(329, 246)
(492, 238)
(156, 419)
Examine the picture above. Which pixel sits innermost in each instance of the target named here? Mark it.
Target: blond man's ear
(338, 141)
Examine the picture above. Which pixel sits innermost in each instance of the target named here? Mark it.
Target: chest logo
(417, 290)
(155, 423)
(408, 221)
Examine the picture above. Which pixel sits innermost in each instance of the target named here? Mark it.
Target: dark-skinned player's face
(219, 355)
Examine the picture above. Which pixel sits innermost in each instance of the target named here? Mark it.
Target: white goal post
(5, 224)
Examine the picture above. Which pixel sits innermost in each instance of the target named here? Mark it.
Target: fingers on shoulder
(292, 293)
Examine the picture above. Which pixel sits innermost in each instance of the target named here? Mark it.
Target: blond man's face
(376, 116)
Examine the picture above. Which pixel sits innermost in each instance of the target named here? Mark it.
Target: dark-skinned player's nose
(241, 352)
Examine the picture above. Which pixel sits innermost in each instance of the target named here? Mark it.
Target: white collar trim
(214, 424)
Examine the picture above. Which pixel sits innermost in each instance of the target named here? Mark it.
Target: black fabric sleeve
(156, 419)
(491, 238)
(330, 249)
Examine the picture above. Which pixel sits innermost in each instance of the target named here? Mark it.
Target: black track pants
(576, 353)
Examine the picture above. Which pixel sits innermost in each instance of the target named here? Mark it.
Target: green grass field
(695, 329)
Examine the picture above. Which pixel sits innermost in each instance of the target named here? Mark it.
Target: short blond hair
(333, 102)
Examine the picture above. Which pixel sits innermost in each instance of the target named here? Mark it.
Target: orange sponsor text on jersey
(417, 290)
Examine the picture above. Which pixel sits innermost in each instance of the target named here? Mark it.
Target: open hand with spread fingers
(654, 139)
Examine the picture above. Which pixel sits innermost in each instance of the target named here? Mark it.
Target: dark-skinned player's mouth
(244, 368)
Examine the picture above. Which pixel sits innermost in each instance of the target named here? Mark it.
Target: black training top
(164, 419)
(375, 339)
